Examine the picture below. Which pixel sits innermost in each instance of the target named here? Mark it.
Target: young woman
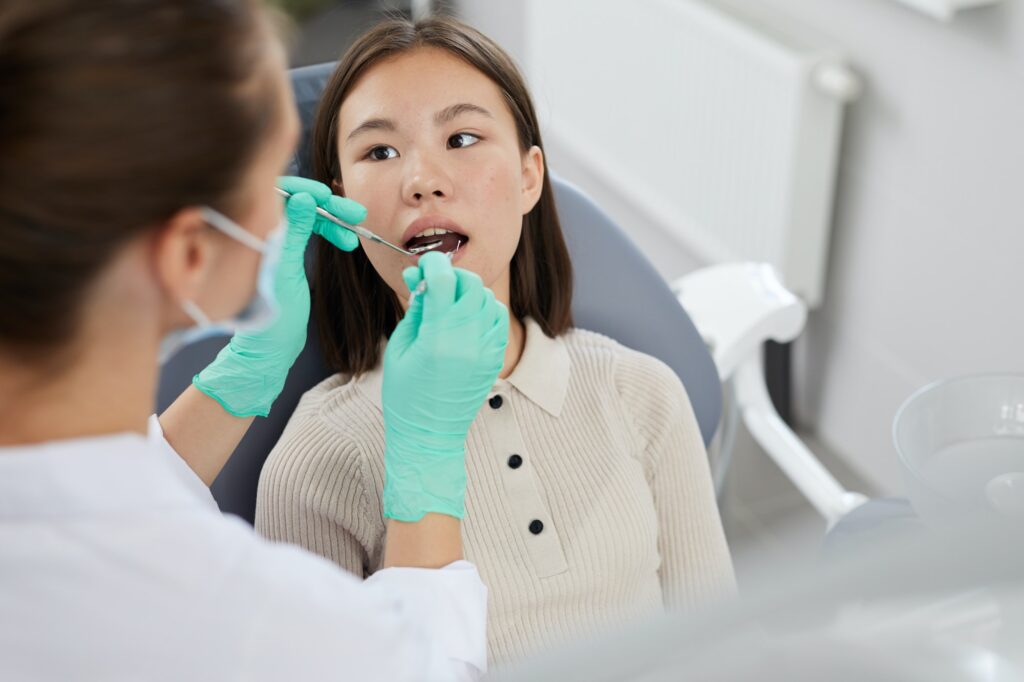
(589, 497)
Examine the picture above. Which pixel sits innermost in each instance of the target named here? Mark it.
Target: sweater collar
(542, 375)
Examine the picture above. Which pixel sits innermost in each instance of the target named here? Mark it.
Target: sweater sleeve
(695, 564)
(312, 493)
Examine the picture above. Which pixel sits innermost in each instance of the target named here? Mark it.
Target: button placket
(530, 515)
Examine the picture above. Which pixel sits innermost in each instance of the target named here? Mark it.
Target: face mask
(259, 312)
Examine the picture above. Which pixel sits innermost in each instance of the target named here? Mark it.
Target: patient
(589, 498)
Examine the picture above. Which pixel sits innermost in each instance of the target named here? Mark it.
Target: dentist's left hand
(249, 373)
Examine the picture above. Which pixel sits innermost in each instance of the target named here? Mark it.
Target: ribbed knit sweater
(589, 497)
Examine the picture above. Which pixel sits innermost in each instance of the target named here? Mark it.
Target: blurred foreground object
(937, 606)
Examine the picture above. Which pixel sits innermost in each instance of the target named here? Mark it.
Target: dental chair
(617, 293)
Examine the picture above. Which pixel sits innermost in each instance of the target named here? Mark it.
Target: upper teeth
(433, 232)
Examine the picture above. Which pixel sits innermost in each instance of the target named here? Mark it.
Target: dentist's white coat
(116, 564)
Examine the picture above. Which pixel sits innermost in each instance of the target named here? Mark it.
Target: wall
(929, 219)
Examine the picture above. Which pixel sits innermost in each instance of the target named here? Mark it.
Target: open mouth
(436, 239)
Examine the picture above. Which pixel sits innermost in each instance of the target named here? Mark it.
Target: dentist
(140, 143)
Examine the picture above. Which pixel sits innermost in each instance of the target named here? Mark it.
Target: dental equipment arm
(206, 423)
(737, 307)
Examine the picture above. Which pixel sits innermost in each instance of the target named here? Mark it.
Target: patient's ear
(338, 187)
(533, 178)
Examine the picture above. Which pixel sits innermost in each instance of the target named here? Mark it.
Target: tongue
(446, 243)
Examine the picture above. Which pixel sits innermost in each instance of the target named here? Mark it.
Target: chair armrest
(736, 307)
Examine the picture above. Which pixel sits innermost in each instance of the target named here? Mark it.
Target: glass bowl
(960, 444)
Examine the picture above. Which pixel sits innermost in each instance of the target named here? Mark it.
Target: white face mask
(261, 310)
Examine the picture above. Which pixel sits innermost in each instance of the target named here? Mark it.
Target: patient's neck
(502, 288)
(514, 350)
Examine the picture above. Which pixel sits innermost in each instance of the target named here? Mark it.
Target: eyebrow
(449, 114)
(446, 115)
(372, 124)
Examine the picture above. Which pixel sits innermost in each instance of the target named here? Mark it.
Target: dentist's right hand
(440, 363)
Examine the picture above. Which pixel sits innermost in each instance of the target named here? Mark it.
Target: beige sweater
(589, 498)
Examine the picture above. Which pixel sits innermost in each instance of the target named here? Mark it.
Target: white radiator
(725, 133)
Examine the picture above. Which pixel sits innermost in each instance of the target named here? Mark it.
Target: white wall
(928, 236)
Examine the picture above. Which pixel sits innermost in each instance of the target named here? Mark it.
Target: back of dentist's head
(114, 115)
(351, 327)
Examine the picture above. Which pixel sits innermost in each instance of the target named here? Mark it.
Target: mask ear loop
(232, 229)
(229, 227)
(196, 313)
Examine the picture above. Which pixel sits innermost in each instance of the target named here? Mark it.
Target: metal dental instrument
(361, 231)
(366, 234)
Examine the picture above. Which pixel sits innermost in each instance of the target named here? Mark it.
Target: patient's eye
(459, 140)
(382, 152)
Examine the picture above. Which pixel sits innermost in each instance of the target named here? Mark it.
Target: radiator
(725, 132)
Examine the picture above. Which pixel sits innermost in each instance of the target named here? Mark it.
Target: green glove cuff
(241, 389)
(411, 492)
(424, 470)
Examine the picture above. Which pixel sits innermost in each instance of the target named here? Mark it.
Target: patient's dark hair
(114, 115)
(354, 306)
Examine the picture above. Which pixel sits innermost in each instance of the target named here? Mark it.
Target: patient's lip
(431, 222)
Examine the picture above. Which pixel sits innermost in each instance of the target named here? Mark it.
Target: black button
(495, 402)
(536, 526)
(515, 461)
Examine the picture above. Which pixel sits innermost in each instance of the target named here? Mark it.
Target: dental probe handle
(358, 229)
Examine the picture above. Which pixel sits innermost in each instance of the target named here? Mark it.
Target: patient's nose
(419, 195)
(427, 180)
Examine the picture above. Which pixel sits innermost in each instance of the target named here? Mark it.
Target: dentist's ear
(533, 178)
(182, 251)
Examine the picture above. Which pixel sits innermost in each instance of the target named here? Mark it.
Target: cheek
(380, 197)
(388, 264)
(378, 193)
(497, 196)
(498, 185)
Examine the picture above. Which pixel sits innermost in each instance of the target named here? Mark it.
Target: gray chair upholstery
(617, 293)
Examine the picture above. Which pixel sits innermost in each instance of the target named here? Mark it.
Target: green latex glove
(440, 364)
(249, 373)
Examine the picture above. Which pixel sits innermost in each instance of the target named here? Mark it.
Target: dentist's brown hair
(355, 308)
(114, 115)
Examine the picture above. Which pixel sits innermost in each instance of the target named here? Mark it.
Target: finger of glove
(501, 314)
(492, 346)
(487, 304)
(498, 333)
(350, 211)
(408, 327)
(469, 292)
(346, 240)
(440, 276)
(294, 185)
(301, 214)
(485, 313)
(412, 276)
(347, 210)
(467, 283)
